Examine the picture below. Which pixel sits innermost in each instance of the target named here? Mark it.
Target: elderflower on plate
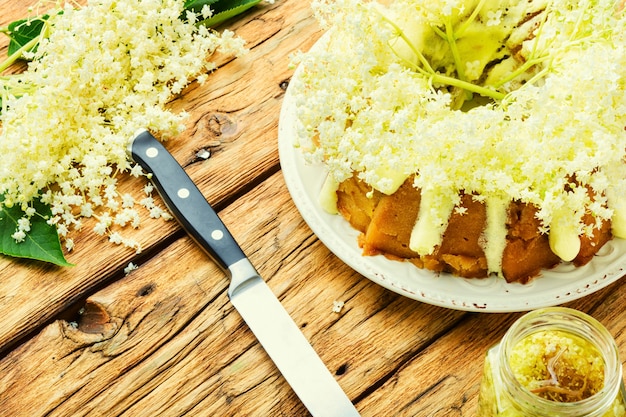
(306, 168)
(393, 93)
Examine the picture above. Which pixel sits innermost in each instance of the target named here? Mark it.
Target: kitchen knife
(269, 321)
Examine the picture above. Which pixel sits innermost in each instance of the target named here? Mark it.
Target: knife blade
(248, 292)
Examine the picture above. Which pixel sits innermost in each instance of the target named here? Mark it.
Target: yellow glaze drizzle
(564, 240)
(495, 233)
(434, 215)
(618, 220)
(328, 195)
(431, 223)
(394, 179)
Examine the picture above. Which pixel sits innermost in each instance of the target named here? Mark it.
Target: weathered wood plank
(173, 344)
(234, 115)
(164, 339)
(444, 379)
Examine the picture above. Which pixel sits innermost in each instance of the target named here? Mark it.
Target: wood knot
(94, 319)
(342, 369)
(145, 290)
(221, 125)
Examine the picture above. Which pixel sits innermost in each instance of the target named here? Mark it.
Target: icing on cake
(501, 100)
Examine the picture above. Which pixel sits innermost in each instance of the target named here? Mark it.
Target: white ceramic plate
(556, 286)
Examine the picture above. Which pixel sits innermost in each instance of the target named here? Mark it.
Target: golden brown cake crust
(390, 229)
(354, 204)
(386, 223)
(527, 251)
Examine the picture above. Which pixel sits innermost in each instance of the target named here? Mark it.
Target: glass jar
(553, 362)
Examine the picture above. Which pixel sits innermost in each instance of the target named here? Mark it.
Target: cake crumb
(338, 306)
(203, 154)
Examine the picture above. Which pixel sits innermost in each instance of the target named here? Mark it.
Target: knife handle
(185, 201)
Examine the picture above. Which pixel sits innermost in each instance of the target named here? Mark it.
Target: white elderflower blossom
(206, 11)
(495, 18)
(148, 188)
(338, 306)
(381, 95)
(130, 268)
(116, 238)
(126, 60)
(23, 224)
(19, 236)
(473, 69)
(128, 201)
(136, 170)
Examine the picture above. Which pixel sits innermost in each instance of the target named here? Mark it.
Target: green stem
(470, 19)
(532, 60)
(427, 70)
(17, 89)
(440, 32)
(581, 16)
(403, 36)
(455, 50)
(522, 69)
(18, 54)
(539, 75)
(455, 82)
(544, 18)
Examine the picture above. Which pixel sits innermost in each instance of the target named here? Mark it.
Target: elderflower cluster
(106, 70)
(553, 109)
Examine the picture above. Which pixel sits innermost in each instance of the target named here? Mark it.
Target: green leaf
(196, 5)
(226, 9)
(25, 30)
(42, 241)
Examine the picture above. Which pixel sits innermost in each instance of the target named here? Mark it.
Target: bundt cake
(472, 137)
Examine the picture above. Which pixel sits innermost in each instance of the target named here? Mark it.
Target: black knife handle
(185, 200)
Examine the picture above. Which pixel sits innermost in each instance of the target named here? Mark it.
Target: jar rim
(574, 322)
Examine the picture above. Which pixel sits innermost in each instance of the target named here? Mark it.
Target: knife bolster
(241, 273)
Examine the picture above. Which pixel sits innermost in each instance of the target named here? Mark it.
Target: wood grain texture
(164, 340)
(234, 116)
(168, 325)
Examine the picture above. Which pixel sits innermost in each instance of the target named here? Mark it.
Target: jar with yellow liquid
(553, 362)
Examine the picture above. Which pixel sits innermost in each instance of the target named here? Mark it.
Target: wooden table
(164, 339)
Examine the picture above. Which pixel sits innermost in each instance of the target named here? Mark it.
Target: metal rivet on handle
(217, 234)
(152, 152)
(183, 193)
